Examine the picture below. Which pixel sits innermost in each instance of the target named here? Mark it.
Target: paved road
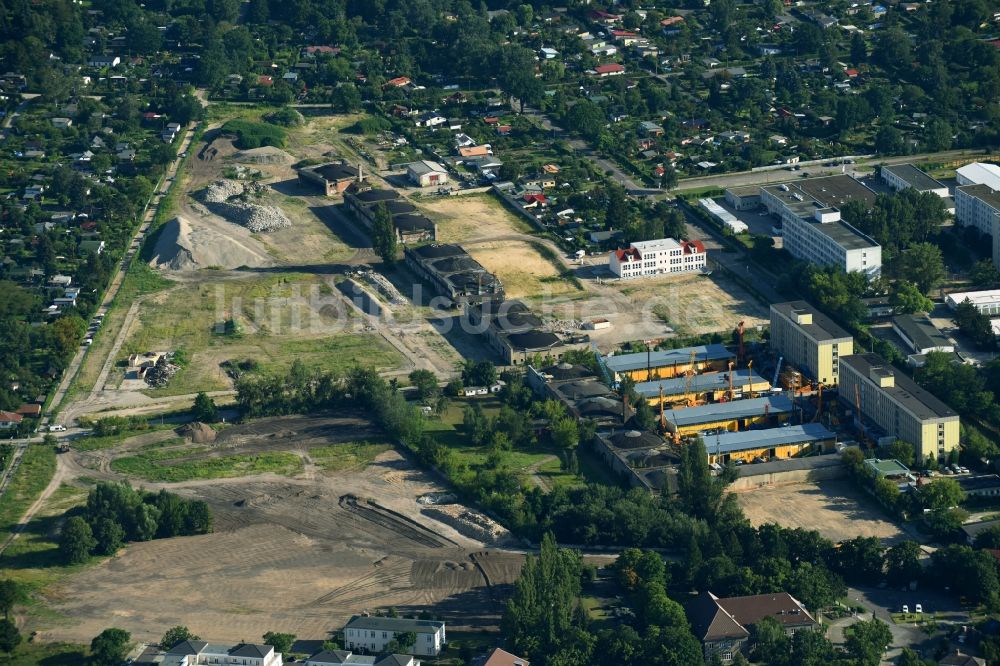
(116, 281)
(742, 178)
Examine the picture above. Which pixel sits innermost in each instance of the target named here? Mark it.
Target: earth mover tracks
(393, 521)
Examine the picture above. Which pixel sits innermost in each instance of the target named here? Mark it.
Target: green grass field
(348, 456)
(149, 466)
(48, 654)
(277, 327)
(35, 472)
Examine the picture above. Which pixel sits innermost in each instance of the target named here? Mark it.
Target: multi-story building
(902, 176)
(724, 625)
(809, 340)
(203, 653)
(812, 228)
(658, 257)
(898, 406)
(374, 634)
(979, 206)
(987, 302)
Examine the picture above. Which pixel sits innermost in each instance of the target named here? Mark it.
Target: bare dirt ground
(522, 270)
(296, 554)
(468, 217)
(835, 508)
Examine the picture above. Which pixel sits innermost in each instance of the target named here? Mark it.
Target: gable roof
(714, 619)
(711, 622)
(188, 648)
(251, 650)
(501, 658)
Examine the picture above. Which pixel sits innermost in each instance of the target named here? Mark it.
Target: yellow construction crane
(690, 377)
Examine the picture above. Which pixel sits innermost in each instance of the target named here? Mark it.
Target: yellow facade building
(809, 340)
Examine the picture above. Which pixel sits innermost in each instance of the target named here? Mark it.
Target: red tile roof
(693, 247)
(608, 69)
(540, 198)
(10, 417)
(671, 20)
(398, 82)
(629, 254)
(29, 410)
(265, 80)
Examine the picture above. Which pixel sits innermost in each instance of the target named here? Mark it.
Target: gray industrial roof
(906, 392)
(837, 190)
(919, 331)
(984, 193)
(843, 234)
(914, 177)
(762, 439)
(724, 411)
(712, 381)
(823, 329)
(660, 359)
(394, 624)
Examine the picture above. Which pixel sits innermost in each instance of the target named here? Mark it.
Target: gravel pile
(230, 200)
(160, 375)
(264, 155)
(470, 523)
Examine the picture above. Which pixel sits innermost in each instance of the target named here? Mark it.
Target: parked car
(906, 609)
(57, 428)
(919, 608)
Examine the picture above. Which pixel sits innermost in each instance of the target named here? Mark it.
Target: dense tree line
(116, 513)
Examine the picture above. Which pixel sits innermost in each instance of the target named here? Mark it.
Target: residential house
(612, 69)
(348, 658)
(30, 410)
(500, 657)
(475, 151)
(548, 54)
(374, 634)
(724, 625)
(429, 119)
(62, 123)
(101, 61)
(9, 420)
(959, 658)
(398, 82)
(199, 653)
(649, 128)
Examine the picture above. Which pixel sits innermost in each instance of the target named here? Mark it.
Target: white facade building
(374, 634)
(658, 257)
(978, 206)
(979, 173)
(812, 229)
(901, 176)
(202, 653)
(987, 302)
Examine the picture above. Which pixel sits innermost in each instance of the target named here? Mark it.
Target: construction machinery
(740, 328)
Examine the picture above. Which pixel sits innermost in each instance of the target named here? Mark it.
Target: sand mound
(263, 155)
(182, 247)
(197, 432)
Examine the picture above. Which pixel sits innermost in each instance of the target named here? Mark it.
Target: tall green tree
(10, 637)
(204, 409)
(175, 636)
(76, 542)
(110, 647)
(384, 238)
(280, 642)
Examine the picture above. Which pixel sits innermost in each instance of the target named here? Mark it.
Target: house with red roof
(600, 16)
(265, 80)
(535, 201)
(398, 82)
(672, 20)
(612, 69)
(9, 420)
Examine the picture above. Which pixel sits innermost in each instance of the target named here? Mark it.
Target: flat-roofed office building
(898, 406)
(809, 340)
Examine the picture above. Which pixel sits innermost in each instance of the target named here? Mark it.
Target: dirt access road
(298, 554)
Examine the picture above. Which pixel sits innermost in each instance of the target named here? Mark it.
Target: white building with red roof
(658, 257)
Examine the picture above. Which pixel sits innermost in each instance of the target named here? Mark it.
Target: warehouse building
(641, 459)
(979, 173)
(743, 198)
(654, 365)
(333, 178)
(903, 176)
(517, 334)
(987, 301)
(787, 442)
(809, 340)
(583, 395)
(812, 228)
(735, 416)
(410, 225)
(698, 389)
(898, 406)
(457, 277)
(920, 335)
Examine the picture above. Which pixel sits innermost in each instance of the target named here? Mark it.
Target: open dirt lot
(523, 271)
(468, 217)
(299, 554)
(835, 508)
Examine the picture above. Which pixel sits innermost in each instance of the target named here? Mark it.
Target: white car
(906, 609)
(919, 608)
(57, 428)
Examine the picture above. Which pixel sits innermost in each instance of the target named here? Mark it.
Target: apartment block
(809, 340)
(897, 406)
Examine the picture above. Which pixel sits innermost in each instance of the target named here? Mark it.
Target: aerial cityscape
(499, 333)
